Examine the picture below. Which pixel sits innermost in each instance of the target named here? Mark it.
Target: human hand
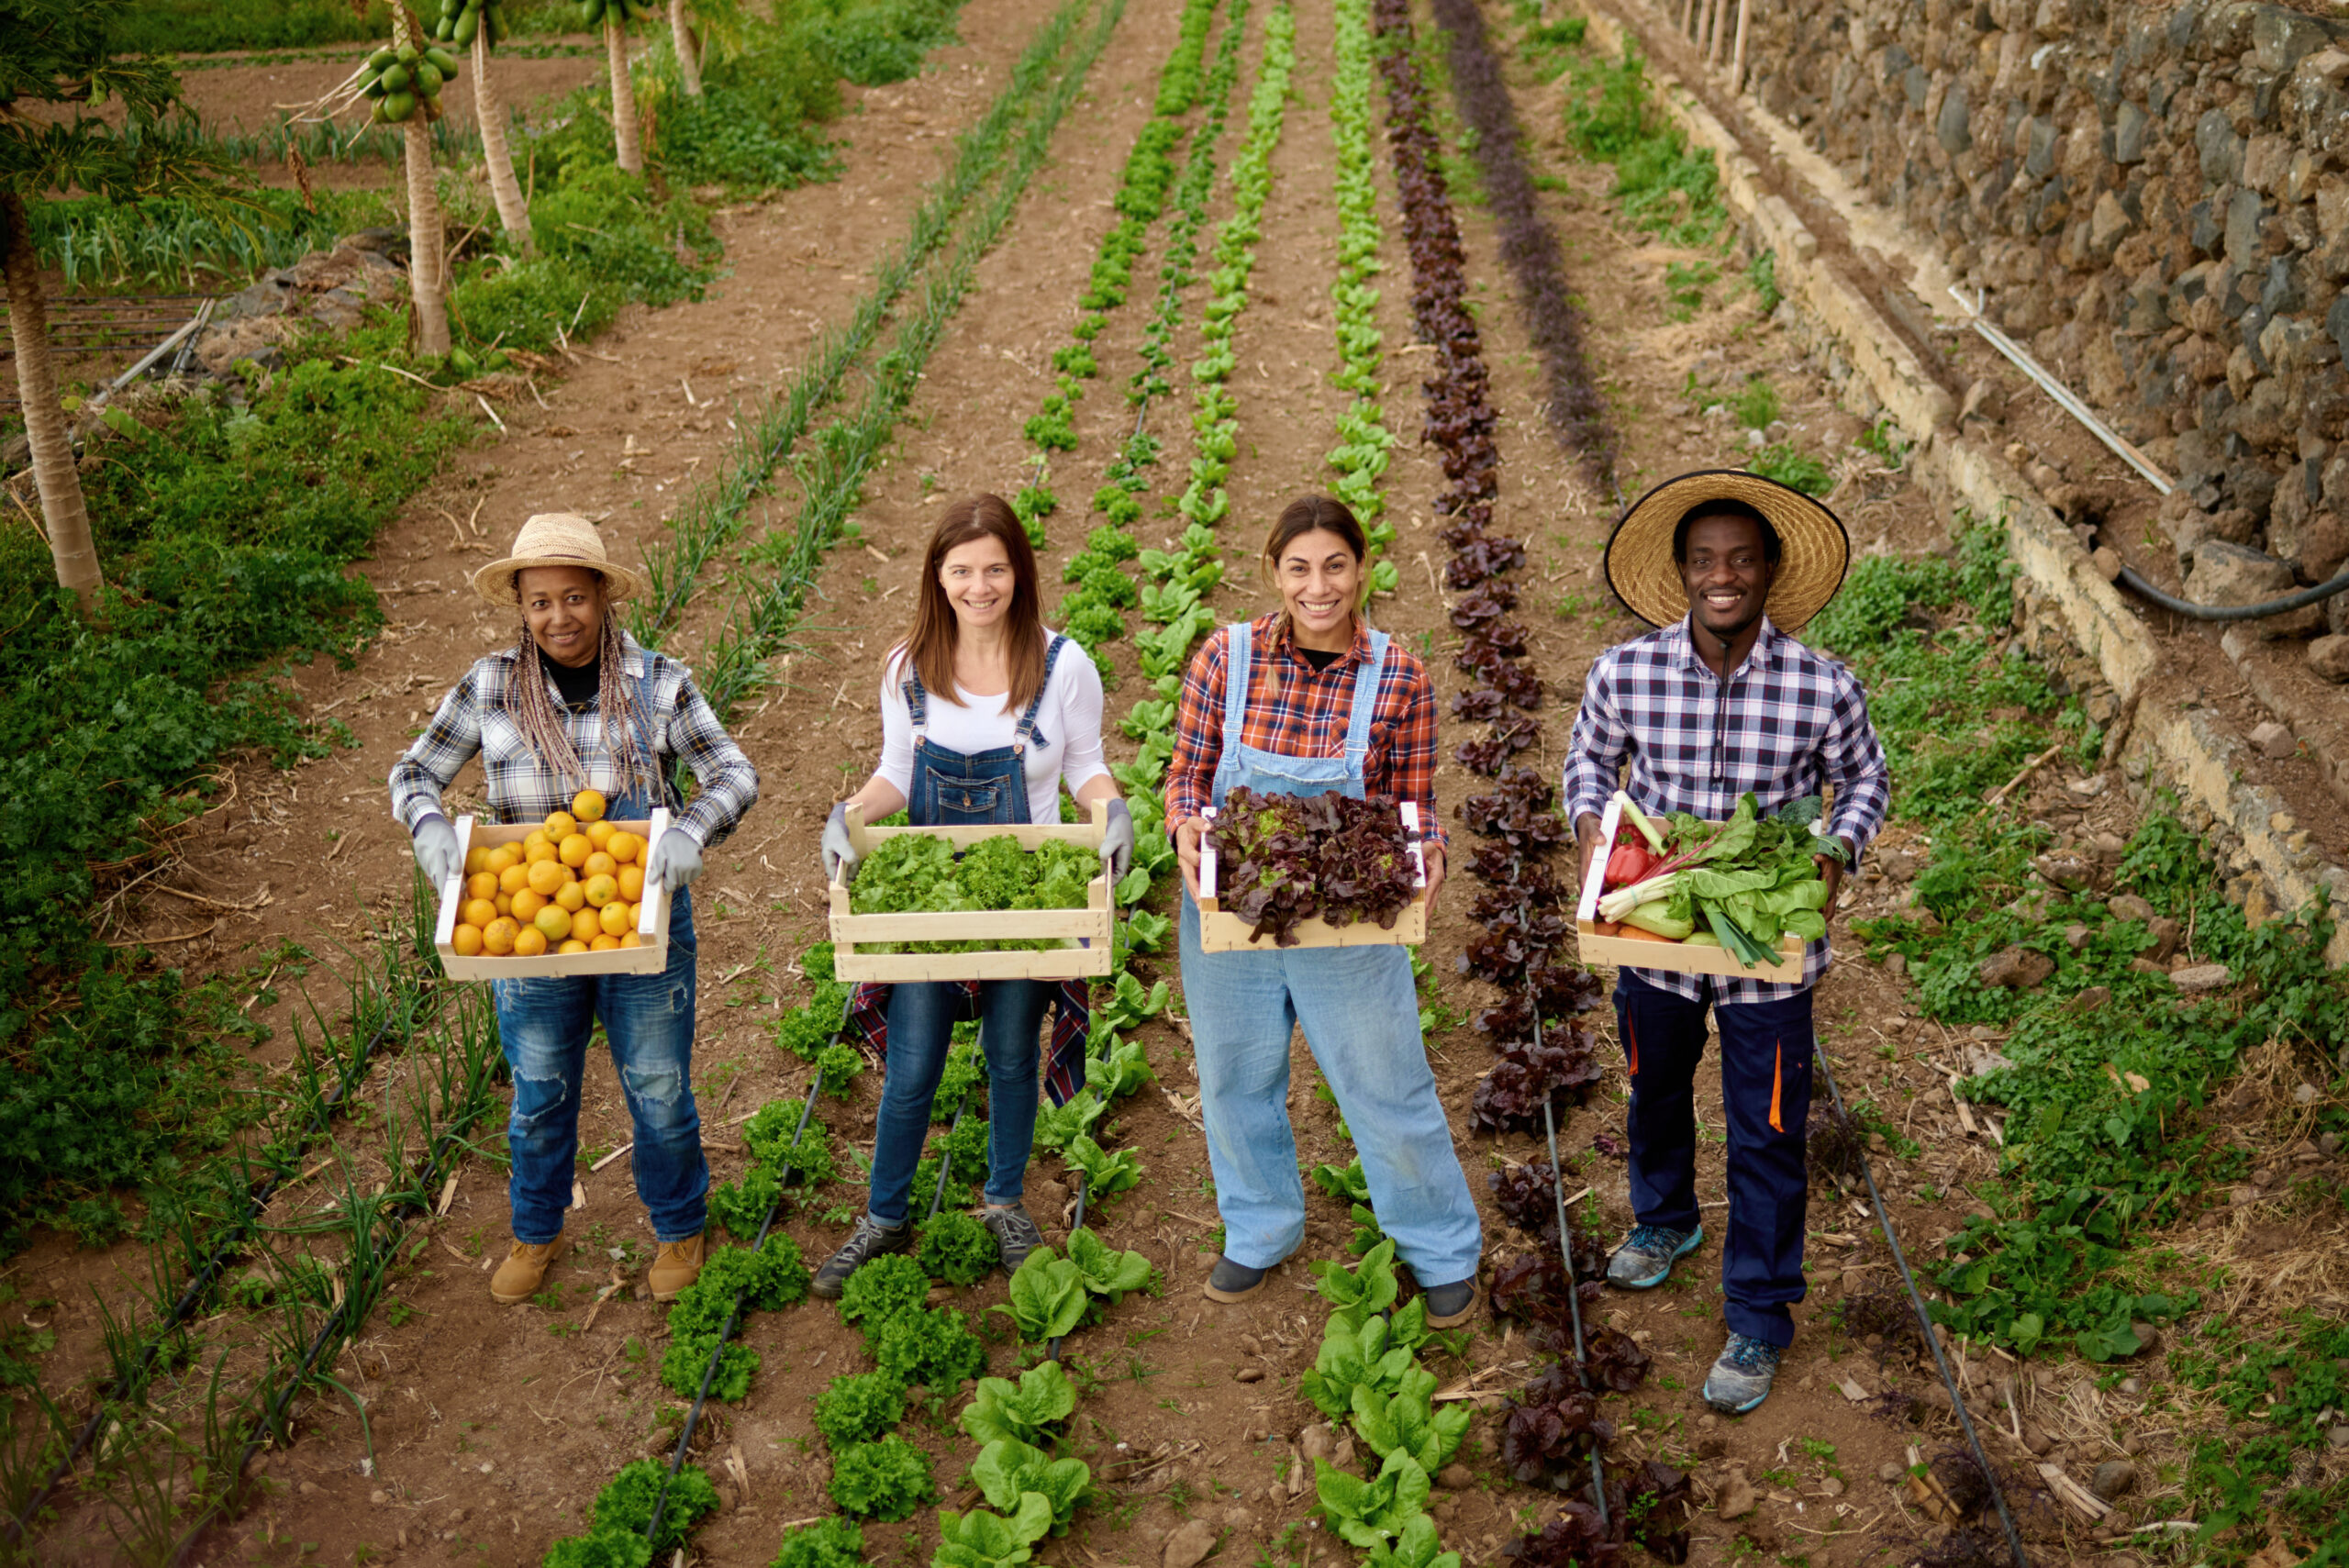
(1831, 871)
(1117, 840)
(676, 860)
(1434, 857)
(840, 855)
(436, 851)
(1592, 843)
(1187, 852)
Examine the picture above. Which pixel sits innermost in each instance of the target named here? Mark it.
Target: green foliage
(770, 1279)
(202, 26)
(1406, 1421)
(886, 1480)
(837, 1067)
(983, 1540)
(1756, 404)
(753, 129)
(604, 1549)
(1027, 1412)
(1008, 1471)
(1797, 469)
(625, 1505)
(931, 1346)
(1048, 1296)
(834, 1542)
(956, 1247)
(1366, 1513)
(859, 1406)
(689, 1357)
(875, 42)
(1762, 277)
(1105, 1174)
(917, 872)
(889, 1285)
(741, 1206)
(1662, 186)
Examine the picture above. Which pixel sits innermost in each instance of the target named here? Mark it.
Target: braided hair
(533, 713)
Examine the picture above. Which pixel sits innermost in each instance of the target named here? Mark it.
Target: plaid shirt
(472, 721)
(1295, 710)
(1064, 1067)
(1788, 722)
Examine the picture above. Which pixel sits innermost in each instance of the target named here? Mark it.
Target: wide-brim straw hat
(555, 538)
(1815, 551)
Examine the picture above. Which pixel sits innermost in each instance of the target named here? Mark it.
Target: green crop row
(1360, 459)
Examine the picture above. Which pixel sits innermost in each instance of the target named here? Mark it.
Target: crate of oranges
(562, 896)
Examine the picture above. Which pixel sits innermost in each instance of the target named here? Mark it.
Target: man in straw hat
(577, 716)
(1717, 702)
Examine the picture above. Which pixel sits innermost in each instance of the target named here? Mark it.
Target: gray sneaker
(1645, 1260)
(867, 1243)
(1740, 1381)
(1015, 1235)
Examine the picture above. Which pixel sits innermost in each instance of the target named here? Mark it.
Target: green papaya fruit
(376, 114)
(376, 88)
(427, 79)
(467, 25)
(590, 12)
(397, 78)
(463, 363)
(407, 53)
(443, 62)
(398, 106)
(382, 59)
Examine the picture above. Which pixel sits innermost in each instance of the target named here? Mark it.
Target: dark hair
(1315, 513)
(930, 646)
(1726, 508)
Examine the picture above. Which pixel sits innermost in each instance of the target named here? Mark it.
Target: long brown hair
(1316, 514)
(930, 646)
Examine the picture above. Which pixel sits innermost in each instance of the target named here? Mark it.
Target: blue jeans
(1765, 1088)
(648, 1021)
(921, 1027)
(1362, 1022)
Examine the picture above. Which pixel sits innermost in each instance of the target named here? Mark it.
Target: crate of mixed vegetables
(1739, 897)
(1316, 871)
(974, 903)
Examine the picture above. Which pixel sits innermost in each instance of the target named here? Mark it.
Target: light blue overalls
(1362, 1022)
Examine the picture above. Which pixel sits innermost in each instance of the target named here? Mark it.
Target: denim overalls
(1362, 1022)
(953, 789)
(544, 1026)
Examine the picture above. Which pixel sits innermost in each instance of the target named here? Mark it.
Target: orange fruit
(529, 942)
(482, 885)
(497, 937)
(546, 876)
(631, 881)
(574, 849)
(599, 833)
(587, 925)
(616, 917)
(631, 941)
(604, 942)
(476, 859)
(600, 891)
(535, 836)
(588, 804)
(527, 905)
(623, 847)
(571, 896)
(503, 855)
(478, 912)
(503, 904)
(541, 851)
(574, 946)
(513, 879)
(466, 940)
(598, 864)
(561, 825)
(551, 923)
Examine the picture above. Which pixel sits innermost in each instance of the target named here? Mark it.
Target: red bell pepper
(1629, 863)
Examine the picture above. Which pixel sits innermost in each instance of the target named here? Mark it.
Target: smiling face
(1320, 581)
(563, 607)
(978, 582)
(1726, 576)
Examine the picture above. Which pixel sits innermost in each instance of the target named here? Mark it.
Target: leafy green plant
(956, 1247)
(886, 1480)
(1365, 1513)
(983, 1540)
(625, 1505)
(1797, 469)
(1756, 404)
(859, 1406)
(1008, 1471)
(889, 1285)
(931, 1346)
(1357, 1355)
(835, 1542)
(1105, 1174)
(1026, 1412)
(1106, 1272)
(1406, 1421)
(1048, 1296)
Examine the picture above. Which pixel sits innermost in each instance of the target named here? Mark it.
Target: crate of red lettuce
(1318, 871)
(1737, 897)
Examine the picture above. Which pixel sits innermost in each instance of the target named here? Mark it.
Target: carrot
(1606, 928)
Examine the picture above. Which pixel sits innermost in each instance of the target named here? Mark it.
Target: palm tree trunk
(63, 511)
(625, 130)
(427, 280)
(688, 61)
(513, 213)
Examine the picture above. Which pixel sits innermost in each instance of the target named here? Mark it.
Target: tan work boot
(524, 1272)
(677, 1265)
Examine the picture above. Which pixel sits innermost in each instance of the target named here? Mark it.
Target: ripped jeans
(648, 1019)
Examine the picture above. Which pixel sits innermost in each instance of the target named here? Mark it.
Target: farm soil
(492, 1428)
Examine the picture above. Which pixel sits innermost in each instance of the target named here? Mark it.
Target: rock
(2107, 562)
(1890, 1472)
(2089, 998)
(379, 1496)
(2068, 871)
(2228, 574)
(2129, 907)
(1189, 1546)
(1900, 865)
(2193, 527)
(2329, 658)
(1985, 400)
(2075, 936)
(1237, 1518)
(2017, 969)
(1248, 1374)
(1950, 129)
(2197, 977)
(1832, 1486)
(1342, 1453)
(2036, 1440)
(2338, 1437)
(2167, 933)
(1896, 964)
(1315, 1443)
(311, 1489)
(1455, 1478)
(2274, 741)
(2113, 1478)
(1736, 1497)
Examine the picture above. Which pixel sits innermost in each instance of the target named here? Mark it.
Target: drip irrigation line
(1053, 1349)
(200, 1284)
(1932, 1342)
(2129, 580)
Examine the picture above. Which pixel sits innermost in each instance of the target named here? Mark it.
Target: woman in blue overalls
(984, 714)
(1303, 701)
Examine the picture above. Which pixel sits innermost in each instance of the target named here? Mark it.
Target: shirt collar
(1761, 656)
(1357, 652)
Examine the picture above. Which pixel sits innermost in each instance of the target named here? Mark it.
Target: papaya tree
(404, 81)
(478, 26)
(54, 53)
(681, 36)
(615, 16)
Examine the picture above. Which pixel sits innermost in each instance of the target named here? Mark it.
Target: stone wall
(2154, 198)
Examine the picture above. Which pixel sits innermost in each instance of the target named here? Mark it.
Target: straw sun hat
(555, 538)
(1815, 549)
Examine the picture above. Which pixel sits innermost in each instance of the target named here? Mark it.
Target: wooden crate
(1090, 933)
(1222, 932)
(652, 929)
(1626, 952)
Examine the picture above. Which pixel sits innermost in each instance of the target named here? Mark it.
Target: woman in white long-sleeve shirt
(985, 715)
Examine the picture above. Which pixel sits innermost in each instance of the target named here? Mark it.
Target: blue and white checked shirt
(1788, 722)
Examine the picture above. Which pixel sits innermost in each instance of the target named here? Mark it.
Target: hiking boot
(867, 1243)
(1229, 1282)
(1450, 1306)
(1015, 1235)
(1645, 1260)
(523, 1274)
(1740, 1381)
(675, 1266)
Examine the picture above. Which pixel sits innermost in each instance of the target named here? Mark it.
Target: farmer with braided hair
(577, 703)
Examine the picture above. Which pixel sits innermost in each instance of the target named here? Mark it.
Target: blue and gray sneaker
(1740, 1381)
(1645, 1260)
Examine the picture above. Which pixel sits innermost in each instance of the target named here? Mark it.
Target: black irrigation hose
(2192, 611)
(1052, 1351)
(1916, 1299)
(199, 1286)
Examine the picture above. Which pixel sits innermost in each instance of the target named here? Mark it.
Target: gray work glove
(676, 860)
(436, 851)
(840, 855)
(1117, 840)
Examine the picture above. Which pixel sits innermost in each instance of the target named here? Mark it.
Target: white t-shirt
(1068, 724)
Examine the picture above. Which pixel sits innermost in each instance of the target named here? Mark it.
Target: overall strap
(916, 697)
(1019, 736)
(1235, 685)
(1367, 676)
